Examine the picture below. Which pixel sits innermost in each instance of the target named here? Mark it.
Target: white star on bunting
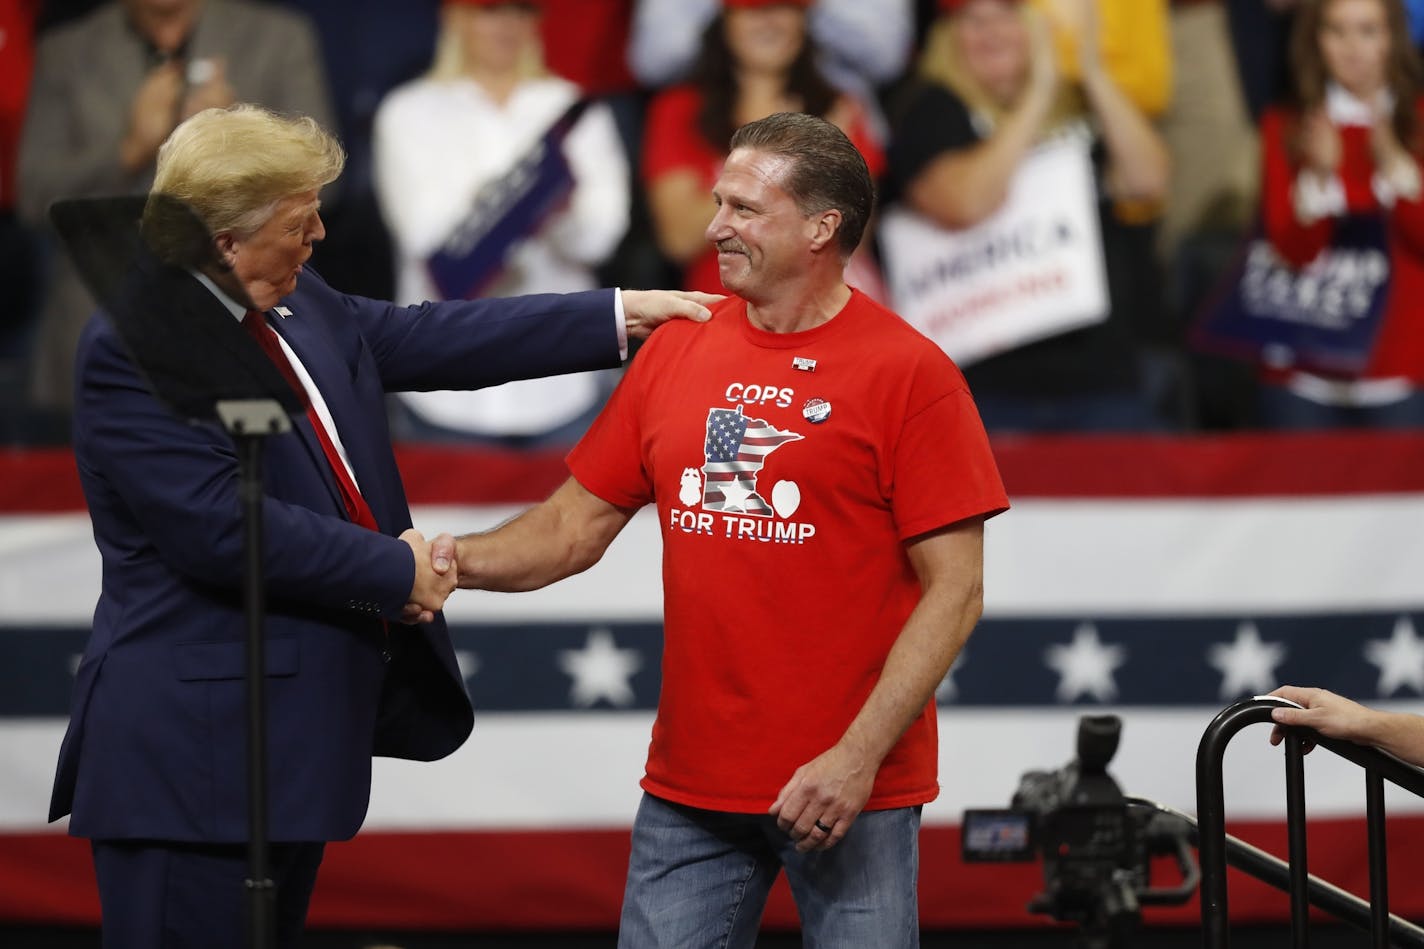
(1400, 658)
(1085, 666)
(600, 670)
(1247, 665)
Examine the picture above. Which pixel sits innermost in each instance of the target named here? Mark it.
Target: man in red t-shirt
(821, 477)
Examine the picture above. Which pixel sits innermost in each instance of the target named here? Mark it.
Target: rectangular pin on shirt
(803, 363)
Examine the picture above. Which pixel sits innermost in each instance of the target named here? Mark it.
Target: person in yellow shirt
(1133, 43)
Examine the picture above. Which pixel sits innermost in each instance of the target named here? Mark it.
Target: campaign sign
(1322, 317)
(1031, 270)
(504, 212)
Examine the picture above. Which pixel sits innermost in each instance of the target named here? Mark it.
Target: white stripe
(49, 570)
(1210, 557)
(571, 770)
(1222, 557)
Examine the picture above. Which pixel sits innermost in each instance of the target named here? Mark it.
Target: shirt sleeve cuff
(622, 321)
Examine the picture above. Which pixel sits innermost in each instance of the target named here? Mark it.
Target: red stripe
(39, 481)
(1245, 465)
(574, 880)
(1248, 465)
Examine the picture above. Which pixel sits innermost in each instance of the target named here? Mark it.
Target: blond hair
(450, 62)
(232, 166)
(941, 64)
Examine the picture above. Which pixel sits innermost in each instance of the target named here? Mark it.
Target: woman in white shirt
(459, 133)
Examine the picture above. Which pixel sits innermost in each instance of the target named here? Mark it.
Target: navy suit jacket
(155, 746)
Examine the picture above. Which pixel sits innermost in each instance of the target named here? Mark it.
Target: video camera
(1097, 843)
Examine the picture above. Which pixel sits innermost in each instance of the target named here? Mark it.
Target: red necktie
(356, 508)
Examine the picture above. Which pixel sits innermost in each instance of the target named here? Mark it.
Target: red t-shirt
(672, 141)
(785, 497)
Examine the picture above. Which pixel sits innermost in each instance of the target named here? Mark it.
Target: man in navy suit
(152, 767)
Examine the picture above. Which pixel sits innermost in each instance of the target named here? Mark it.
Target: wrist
(1378, 727)
(862, 749)
(465, 563)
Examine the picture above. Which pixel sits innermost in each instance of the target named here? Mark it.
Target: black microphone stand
(250, 421)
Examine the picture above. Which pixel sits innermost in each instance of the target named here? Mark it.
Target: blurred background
(1177, 248)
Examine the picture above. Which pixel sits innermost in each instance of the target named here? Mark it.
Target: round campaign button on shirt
(816, 410)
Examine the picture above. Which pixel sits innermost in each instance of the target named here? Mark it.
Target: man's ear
(226, 247)
(825, 225)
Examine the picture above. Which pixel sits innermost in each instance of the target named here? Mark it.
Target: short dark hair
(827, 171)
(718, 77)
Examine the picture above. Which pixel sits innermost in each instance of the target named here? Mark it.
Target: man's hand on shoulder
(646, 310)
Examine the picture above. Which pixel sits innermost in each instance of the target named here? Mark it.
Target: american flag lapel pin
(804, 363)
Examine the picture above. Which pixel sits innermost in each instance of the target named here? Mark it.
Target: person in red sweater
(756, 59)
(1348, 147)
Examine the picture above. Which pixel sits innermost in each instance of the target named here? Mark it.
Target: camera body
(1096, 848)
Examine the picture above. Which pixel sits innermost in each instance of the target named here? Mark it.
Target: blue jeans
(700, 879)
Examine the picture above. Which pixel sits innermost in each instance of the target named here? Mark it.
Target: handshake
(436, 575)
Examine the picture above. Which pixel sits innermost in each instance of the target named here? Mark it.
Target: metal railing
(1215, 849)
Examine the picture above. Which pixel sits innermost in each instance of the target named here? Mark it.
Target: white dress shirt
(313, 393)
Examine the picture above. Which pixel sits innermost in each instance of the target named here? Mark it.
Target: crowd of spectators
(1205, 125)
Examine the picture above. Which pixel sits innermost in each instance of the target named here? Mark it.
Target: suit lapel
(320, 358)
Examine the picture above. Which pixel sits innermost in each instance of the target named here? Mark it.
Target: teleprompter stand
(138, 257)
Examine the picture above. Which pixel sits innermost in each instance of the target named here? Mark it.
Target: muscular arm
(564, 535)
(834, 787)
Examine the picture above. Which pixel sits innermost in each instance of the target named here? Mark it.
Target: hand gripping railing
(1216, 849)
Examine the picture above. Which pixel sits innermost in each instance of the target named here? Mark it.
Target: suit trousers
(170, 895)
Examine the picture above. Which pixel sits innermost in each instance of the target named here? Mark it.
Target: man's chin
(732, 269)
(731, 284)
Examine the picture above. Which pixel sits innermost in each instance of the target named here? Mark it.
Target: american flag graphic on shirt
(736, 449)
